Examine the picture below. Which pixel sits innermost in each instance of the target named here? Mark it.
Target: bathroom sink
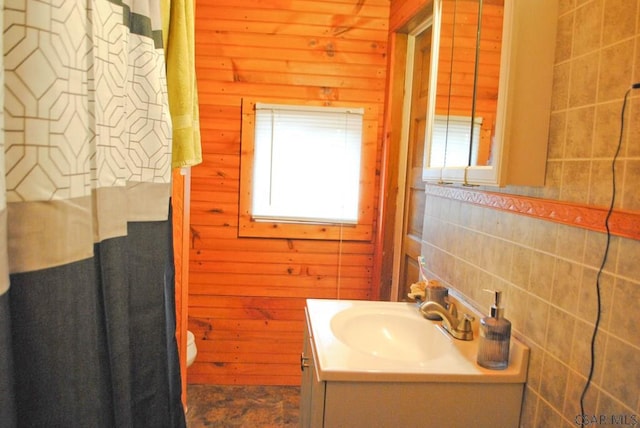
(383, 364)
(355, 340)
(389, 332)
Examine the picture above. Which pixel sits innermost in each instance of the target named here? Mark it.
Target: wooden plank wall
(401, 11)
(246, 295)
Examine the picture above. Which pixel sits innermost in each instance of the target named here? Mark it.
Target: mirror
(490, 91)
(487, 79)
(469, 35)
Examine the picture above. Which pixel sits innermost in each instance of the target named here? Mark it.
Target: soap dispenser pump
(495, 336)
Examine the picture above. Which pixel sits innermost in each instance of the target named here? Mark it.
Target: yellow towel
(179, 44)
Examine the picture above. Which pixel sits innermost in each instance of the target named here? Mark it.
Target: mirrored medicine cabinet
(490, 85)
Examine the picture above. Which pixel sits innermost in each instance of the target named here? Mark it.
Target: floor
(243, 406)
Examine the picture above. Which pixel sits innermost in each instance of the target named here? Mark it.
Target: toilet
(192, 351)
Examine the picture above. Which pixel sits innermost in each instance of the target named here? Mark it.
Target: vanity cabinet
(374, 403)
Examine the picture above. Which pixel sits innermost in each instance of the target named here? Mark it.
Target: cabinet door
(311, 390)
(306, 366)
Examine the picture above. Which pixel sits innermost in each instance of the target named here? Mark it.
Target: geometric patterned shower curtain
(86, 285)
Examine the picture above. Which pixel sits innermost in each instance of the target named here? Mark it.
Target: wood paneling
(246, 295)
(180, 221)
(389, 174)
(403, 11)
(404, 15)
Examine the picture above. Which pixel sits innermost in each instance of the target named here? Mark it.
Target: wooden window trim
(362, 231)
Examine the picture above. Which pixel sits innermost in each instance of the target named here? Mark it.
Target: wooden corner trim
(621, 223)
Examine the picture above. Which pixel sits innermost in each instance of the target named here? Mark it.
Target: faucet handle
(466, 323)
(453, 310)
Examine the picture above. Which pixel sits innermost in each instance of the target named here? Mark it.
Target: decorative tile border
(621, 223)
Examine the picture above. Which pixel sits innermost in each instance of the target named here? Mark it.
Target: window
(451, 145)
(302, 170)
(294, 147)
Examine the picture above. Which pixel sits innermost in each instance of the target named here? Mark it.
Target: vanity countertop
(354, 340)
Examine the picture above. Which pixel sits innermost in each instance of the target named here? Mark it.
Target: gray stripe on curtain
(175, 380)
(59, 349)
(152, 401)
(7, 404)
(139, 24)
(93, 353)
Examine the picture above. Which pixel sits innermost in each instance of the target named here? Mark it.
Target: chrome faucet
(459, 328)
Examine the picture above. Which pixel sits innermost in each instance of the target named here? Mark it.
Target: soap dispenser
(495, 335)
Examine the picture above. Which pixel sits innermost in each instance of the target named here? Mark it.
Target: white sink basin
(357, 340)
(389, 332)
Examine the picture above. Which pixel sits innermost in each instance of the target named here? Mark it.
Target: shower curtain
(86, 277)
